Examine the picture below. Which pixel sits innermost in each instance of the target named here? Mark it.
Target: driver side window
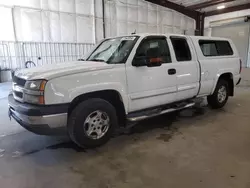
(158, 45)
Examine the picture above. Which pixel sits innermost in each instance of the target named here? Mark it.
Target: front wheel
(92, 123)
(220, 96)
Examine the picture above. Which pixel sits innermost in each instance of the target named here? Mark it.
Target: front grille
(18, 94)
(18, 81)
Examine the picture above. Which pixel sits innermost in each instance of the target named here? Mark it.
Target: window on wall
(215, 48)
(181, 49)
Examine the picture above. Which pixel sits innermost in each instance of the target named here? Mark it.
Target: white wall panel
(8, 3)
(85, 7)
(81, 20)
(98, 11)
(68, 27)
(6, 31)
(85, 29)
(183, 23)
(190, 24)
(166, 17)
(177, 19)
(152, 6)
(142, 15)
(152, 29)
(98, 8)
(28, 3)
(189, 32)
(67, 6)
(132, 14)
(46, 26)
(53, 5)
(167, 29)
(32, 29)
(142, 28)
(122, 28)
(98, 29)
(44, 4)
(143, 4)
(55, 27)
(152, 16)
(28, 24)
(178, 31)
(146, 17)
(121, 13)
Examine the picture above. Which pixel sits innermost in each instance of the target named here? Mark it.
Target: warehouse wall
(227, 16)
(49, 20)
(125, 16)
(232, 25)
(49, 31)
(81, 20)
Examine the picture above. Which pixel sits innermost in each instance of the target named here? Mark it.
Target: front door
(153, 83)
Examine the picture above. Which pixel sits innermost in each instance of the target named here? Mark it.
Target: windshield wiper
(99, 60)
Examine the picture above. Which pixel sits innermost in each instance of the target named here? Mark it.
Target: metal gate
(15, 55)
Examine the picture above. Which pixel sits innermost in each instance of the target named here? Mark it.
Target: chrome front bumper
(40, 120)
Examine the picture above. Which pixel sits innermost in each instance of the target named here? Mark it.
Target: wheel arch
(228, 76)
(110, 95)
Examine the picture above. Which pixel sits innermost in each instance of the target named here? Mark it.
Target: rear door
(187, 67)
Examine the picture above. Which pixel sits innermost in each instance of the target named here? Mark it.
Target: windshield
(114, 51)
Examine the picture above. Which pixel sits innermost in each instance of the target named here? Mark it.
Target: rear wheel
(92, 123)
(220, 96)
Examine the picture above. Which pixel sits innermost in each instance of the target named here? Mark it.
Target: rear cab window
(181, 48)
(215, 48)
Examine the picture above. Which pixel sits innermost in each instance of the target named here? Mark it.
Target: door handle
(171, 71)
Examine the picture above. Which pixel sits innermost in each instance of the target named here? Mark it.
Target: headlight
(38, 85)
(34, 91)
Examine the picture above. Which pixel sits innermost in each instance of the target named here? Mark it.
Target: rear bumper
(44, 120)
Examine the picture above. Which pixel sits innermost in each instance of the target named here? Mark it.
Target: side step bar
(147, 115)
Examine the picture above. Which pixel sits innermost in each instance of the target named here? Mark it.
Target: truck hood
(61, 69)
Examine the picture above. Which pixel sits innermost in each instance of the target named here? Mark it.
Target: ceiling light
(221, 7)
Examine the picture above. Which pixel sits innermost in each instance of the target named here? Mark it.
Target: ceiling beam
(179, 8)
(227, 10)
(208, 4)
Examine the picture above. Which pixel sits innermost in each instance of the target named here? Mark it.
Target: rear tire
(92, 123)
(220, 96)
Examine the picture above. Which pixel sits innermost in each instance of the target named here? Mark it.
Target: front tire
(220, 96)
(92, 123)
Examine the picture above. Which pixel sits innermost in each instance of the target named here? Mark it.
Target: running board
(157, 112)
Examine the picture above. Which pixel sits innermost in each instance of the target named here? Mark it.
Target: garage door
(239, 33)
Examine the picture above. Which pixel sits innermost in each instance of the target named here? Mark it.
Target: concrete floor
(196, 148)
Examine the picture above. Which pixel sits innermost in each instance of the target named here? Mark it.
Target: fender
(218, 75)
(69, 95)
(100, 87)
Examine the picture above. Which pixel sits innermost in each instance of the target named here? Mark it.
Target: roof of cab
(172, 34)
(209, 38)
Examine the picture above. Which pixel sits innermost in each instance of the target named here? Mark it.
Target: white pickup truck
(126, 78)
